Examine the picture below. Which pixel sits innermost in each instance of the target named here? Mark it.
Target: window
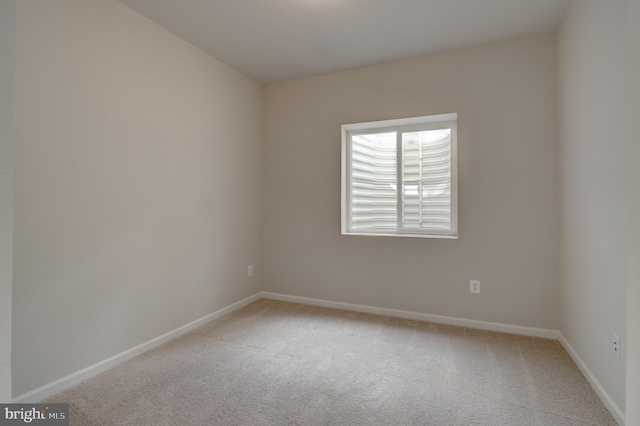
(399, 177)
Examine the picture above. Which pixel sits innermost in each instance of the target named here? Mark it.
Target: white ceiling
(278, 40)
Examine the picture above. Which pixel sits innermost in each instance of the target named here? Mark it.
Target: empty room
(320, 212)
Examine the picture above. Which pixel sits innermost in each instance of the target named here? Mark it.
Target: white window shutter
(426, 179)
(373, 182)
(399, 177)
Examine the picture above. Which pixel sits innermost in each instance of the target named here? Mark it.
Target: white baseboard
(461, 322)
(608, 402)
(80, 376)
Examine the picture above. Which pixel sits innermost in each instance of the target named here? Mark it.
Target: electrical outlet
(616, 346)
(250, 270)
(474, 286)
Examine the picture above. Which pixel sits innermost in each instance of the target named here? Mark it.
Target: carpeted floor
(276, 363)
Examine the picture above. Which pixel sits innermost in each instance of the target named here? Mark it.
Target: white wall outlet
(250, 270)
(474, 286)
(616, 346)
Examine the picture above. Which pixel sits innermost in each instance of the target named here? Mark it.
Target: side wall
(633, 304)
(137, 205)
(594, 147)
(505, 97)
(7, 118)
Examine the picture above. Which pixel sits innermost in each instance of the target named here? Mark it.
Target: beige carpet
(276, 363)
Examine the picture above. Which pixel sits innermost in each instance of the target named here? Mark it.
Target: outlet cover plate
(616, 346)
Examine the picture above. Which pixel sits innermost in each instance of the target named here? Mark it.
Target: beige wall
(594, 145)
(7, 117)
(633, 304)
(505, 97)
(137, 206)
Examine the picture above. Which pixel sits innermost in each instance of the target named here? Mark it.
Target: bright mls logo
(35, 414)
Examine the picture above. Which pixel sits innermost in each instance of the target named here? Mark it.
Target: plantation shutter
(399, 177)
(426, 180)
(374, 182)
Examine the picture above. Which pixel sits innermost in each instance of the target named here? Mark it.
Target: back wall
(505, 97)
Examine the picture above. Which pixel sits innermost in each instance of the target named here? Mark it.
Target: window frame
(399, 126)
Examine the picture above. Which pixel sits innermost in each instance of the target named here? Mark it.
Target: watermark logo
(34, 414)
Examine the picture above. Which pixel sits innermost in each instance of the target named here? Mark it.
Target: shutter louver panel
(426, 178)
(374, 182)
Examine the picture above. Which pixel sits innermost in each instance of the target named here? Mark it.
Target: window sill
(407, 235)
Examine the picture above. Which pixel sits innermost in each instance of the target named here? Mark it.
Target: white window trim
(432, 122)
